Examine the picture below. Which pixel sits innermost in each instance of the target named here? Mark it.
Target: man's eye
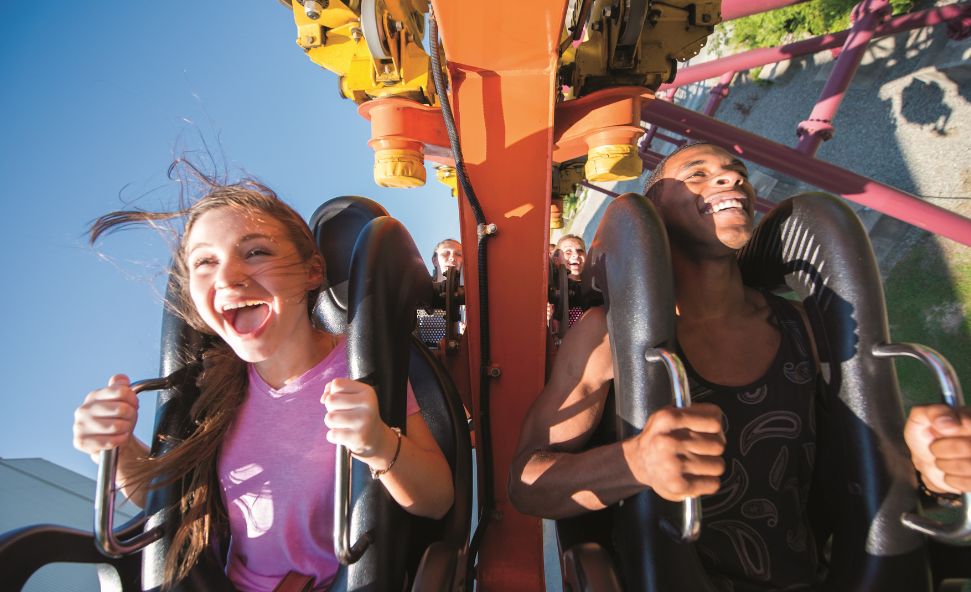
(697, 174)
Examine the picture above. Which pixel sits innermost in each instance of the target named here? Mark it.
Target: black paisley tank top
(755, 531)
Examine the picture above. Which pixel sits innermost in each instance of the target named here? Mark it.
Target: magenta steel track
(771, 55)
(826, 176)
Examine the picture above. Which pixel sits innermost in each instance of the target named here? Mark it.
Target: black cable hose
(486, 501)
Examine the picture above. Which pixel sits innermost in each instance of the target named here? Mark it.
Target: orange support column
(502, 61)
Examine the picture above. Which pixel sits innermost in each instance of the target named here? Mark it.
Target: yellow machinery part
(335, 41)
(673, 30)
(401, 168)
(446, 175)
(556, 213)
(613, 162)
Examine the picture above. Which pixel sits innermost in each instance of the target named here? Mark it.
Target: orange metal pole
(502, 61)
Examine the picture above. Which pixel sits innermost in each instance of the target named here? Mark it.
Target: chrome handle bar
(960, 530)
(104, 498)
(691, 506)
(345, 552)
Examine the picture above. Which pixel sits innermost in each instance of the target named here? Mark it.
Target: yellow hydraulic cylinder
(398, 163)
(613, 162)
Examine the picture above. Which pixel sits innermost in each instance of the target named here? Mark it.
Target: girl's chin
(251, 352)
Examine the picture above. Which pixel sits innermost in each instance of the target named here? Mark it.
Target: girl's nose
(230, 276)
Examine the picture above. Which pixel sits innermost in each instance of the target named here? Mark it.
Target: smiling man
(752, 369)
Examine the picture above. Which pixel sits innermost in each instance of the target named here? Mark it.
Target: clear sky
(97, 99)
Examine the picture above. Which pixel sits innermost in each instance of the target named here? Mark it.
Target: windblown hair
(192, 461)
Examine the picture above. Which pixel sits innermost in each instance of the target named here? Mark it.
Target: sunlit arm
(677, 453)
(420, 480)
(552, 475)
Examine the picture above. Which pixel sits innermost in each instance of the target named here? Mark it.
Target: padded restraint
(387, 280)
(180, 344)
(817, 247)
(629, 263)
(389, 257)
(336, 225)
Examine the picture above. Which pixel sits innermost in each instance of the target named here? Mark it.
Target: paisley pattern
(755, 533)
(754, 397)
(800, 373)
(778, 469)
(750, 548)
(731, 491)
(774, 424)
(761, 508)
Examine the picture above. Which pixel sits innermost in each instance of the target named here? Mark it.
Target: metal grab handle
(691, 506)
(104, 497)
(959, 531)
(345, 552)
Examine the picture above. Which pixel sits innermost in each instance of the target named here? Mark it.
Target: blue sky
(97, 100)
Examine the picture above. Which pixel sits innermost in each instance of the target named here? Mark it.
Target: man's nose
(729, 177)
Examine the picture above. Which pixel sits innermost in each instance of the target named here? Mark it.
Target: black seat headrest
(336, 226)
(814, 245)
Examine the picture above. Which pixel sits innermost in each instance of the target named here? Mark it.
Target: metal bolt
(356, 34)
(494, 371)
(312, 9)
(308, 40)
(487, 229)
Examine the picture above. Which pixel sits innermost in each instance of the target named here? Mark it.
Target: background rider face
(573, 255)
(448, 255)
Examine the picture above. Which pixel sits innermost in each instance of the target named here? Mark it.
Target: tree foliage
(808, 19)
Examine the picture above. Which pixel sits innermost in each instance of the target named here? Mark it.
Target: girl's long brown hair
(223, 382)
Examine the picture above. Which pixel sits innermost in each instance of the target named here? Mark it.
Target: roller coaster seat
(811, 245)
(394, 555)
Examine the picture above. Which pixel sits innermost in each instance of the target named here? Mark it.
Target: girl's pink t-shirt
(276, 470)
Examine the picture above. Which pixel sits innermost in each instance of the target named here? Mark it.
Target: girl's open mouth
(246, 317)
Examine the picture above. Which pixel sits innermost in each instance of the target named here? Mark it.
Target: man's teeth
(724, 205)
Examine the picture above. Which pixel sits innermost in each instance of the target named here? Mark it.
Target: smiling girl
(274, 400)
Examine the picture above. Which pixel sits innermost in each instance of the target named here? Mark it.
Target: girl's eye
(257, 252)
(203, 261)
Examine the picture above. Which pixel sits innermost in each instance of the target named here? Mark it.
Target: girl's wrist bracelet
(375, 474)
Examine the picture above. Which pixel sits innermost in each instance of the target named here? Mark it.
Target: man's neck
(708, 288)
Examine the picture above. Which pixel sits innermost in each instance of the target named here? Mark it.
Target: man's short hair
(659, 169)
